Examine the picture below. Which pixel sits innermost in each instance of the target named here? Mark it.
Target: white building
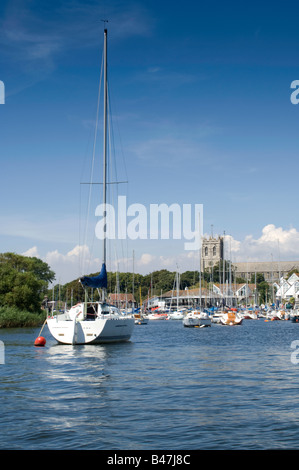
(288, 288)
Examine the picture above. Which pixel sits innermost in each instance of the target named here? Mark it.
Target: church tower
(211, 252)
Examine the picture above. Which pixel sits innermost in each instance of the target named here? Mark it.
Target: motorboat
(231, 318)
(175, 316)
(157, 316)
(249, 315)
(140, 319)
(197, 319)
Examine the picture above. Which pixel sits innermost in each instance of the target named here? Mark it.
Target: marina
(149, 272)
(169, 387)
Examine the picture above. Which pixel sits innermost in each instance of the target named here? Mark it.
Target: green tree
(23, 281)
(217, 272)
(264, 291)
(258, 278)
(263, 288)
(189, 278)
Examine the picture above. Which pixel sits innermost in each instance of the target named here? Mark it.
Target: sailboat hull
(196, 322)
(101, 330)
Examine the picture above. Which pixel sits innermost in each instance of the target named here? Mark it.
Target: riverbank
(11, 317)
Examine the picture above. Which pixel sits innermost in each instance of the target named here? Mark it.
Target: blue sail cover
(96, 281)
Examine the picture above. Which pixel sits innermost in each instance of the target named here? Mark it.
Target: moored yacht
(94, 322)
(231, 318)
(197, 319)
(91, 322)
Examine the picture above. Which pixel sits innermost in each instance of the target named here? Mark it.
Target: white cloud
(69, 266)
(282, 244)
(73, 264)
(146, 259)
(31, 253)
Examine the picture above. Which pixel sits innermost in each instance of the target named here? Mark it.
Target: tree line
(119, 282)
(152, 284)
(24, 283)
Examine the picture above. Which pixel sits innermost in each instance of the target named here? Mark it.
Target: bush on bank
(11, 317)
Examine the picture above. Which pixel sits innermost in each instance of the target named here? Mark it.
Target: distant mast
(105, 153)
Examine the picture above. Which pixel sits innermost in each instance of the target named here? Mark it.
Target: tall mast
(105, 154)
(200, 248)
(105, 145)
(105, 150)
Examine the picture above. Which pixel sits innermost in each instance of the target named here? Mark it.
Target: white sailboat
(197, 319)
(177, 314)
(139, 318)
(94, 322)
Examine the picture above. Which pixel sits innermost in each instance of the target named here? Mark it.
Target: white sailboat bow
(94, 322)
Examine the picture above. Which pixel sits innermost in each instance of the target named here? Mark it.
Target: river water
(170, 387)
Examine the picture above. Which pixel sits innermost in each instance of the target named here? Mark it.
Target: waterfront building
(212, 253)
(287, 289)
(272, 270)
(122, 300)
(217, 295)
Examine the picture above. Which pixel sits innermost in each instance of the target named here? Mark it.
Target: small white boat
(273, 315)
(231, 318)
(197, 319)
(157, 316)
(175, 316)
(216, 317)
(249, 315)
(140, 319)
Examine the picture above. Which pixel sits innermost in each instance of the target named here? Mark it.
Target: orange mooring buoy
(40, 341)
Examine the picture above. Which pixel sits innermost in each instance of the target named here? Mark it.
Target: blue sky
(201, 97)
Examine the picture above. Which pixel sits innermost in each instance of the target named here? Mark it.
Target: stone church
(212, 252)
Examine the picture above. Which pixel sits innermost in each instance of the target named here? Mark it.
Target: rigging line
(121, 229)
(111, 136)
(109, 163)
(93, 159)
(119, 135)
(113, 166)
